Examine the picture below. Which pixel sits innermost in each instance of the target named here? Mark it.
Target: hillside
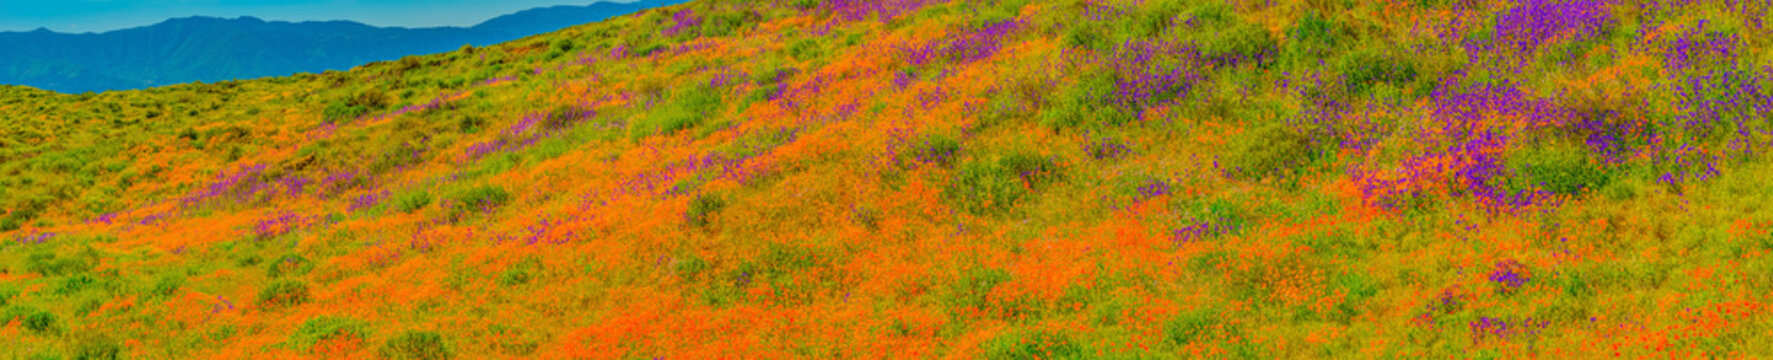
(1003, 179)
(207, 49)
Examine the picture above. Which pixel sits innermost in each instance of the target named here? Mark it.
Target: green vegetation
(416, 345)
(285, 293)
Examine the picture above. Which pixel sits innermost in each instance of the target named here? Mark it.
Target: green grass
(323, 328)
(284, 293)
(416, 345)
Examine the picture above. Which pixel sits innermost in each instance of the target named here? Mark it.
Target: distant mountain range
(216, 49)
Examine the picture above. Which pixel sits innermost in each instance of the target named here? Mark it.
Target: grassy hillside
(922, 178)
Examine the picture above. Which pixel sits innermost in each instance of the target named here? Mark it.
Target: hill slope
(924, 178)
(212, 49)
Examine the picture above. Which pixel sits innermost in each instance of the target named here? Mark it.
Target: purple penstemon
(1151, 189)
(36, 238)
(1531, 24)
(965, 46)
(241, 184)
(885, 10)
(1509, 274)
(681, 21)
(278, 225)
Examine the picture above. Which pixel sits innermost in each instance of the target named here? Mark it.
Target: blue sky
(103, 15)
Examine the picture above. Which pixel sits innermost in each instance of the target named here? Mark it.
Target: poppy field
(999, 179)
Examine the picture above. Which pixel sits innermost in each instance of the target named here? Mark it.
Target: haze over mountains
(213, 49)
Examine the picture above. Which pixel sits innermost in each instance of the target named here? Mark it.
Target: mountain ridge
(209, 48)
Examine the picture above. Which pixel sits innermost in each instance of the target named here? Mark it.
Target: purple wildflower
(683, 20)
(966, 46)
(1531, 24)
(1153, 188)
(885, 10)
(36, 238)
(1510, 274)
(278, 225)
(1106, 148)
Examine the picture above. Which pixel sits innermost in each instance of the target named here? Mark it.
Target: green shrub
(96, 347)
(284, 294)
(342, 111)
(1245, 42)
(292, 264)
(1197, 326)
(482, 198)
(981, 188)
(724, 23)
(1034, 170)
(1035, 345)
(972, 289)
(358, 105)
(1273, 150)
(1363, 69)
(1087, 37)
(75, 284)
(1158, 18)
(47, 264)
(1558, 169)
(1090, 103)
(167, 284)
(691, 266)
(703, 208)
(41, 322)
(323, 328)
(986, 187)
(413, 201)
(1311, 38)
(416, 345)
(806, 49)
(565, 45)
(408, 63)
(469, 124)
(686, 110)
(515, 277)
(1358, 287)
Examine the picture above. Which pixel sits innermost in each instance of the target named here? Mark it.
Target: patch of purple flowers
(1151, 189)
(742, 169)
(278, 225)
(369, 200)
(1106, 148)
(1466, 146)
(966, 46)
(1149, 73)
(1496, 328)
(338, 181)
(242, 184)
(683, 20)
(1531, 24)
(1696, 44)
(1510, 274)
(531, 129)
(885, 10)
(1200, 230)
(727, 78)
(545, 231)
(36, 238)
